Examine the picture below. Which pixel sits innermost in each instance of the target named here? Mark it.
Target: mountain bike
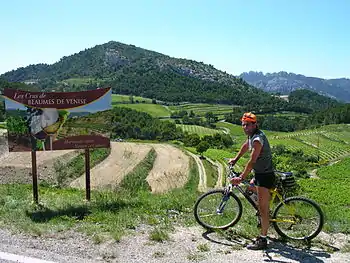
(295, 217)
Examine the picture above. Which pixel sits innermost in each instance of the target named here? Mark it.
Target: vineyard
(327, 143)
(201, 131)
(155, 110)
(140, 104)
(331, 190)
(200, 109)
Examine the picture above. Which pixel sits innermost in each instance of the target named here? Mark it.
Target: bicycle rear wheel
(298, 218)
(217, 210)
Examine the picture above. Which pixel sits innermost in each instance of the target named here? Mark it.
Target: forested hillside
(309, 101)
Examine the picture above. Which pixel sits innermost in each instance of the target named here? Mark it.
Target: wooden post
(87, 173)
(35, 177)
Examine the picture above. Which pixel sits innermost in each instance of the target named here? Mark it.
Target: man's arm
(257, 146)
(243, 150)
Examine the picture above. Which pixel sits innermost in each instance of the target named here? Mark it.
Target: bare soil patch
(170, 169)
(16, 167)
(109, 173)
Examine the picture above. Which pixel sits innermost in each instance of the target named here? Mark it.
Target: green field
(201, 131)
(140, 104)
(201, 108)
(155, 110)
(117, 98)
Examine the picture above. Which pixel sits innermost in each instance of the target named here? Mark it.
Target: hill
(284, 83)
(133, 70)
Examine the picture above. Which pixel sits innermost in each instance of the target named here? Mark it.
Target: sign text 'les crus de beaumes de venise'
(45, 121)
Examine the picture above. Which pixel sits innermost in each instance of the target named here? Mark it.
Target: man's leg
(264, 198)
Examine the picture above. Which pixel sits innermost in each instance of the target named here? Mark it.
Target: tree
(192, 140)
(202, 147)
(211, 117)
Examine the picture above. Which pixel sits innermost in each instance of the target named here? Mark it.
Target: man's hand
(236, 180)
(232, 161)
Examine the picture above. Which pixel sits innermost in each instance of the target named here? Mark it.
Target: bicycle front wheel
(217, 210)
(298, 218)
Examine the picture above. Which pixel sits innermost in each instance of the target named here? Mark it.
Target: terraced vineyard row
(296, 134)
(201, 109)
(336, 137)
(201, 131)
(320, 141)
(316, 144)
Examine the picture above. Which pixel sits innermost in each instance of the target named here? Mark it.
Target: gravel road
(190, 244)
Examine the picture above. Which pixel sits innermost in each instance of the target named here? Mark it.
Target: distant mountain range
(284, 83)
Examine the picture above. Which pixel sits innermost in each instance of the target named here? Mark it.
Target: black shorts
(267, 180)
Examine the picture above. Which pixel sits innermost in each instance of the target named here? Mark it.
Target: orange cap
(249, 117)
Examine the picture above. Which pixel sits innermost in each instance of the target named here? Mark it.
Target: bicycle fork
(222, 204)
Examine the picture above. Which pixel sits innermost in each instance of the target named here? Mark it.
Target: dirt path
(109, 173)
(220, 174)
(170, 169)
(202, 185)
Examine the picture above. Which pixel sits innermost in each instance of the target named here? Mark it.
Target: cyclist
(261, 163)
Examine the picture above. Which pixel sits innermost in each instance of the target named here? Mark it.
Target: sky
(309, 37)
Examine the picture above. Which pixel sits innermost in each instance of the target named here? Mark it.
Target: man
(261, 162)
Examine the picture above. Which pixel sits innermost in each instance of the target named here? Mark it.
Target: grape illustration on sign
(44, 121)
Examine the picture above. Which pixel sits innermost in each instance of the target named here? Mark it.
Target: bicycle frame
(273, 191)
(230, 187)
